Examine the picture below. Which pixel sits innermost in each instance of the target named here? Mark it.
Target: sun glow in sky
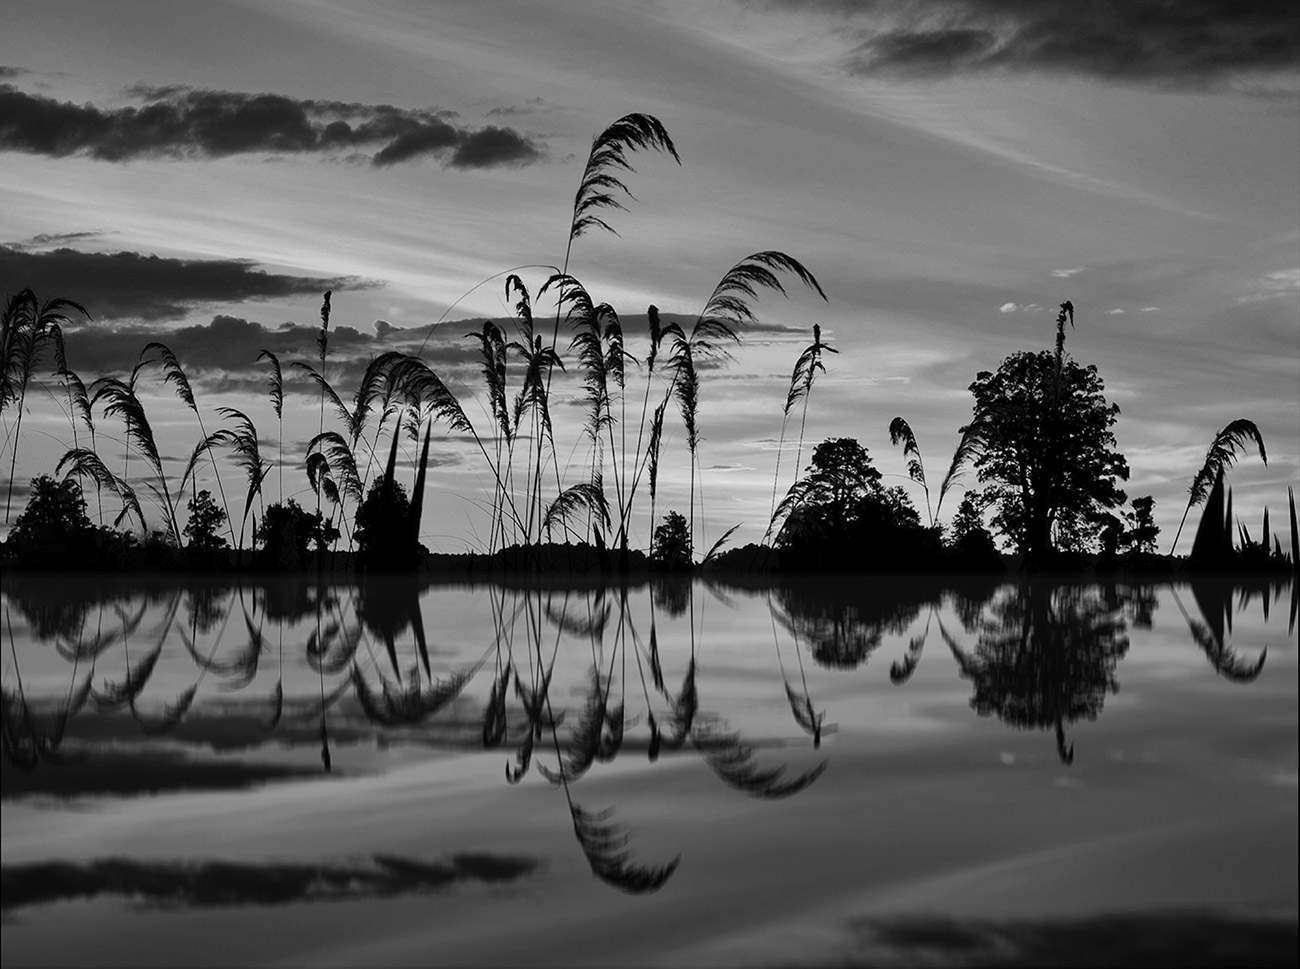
(949, 172)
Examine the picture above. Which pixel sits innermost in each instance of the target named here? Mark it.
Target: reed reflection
(562, 681)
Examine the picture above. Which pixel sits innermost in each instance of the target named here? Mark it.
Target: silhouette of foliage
(1048, 455)
(382, 535)
(205, 520)
(672, 542)
(838, 516)
(286, 532)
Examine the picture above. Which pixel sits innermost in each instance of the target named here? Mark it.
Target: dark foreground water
(835, 771)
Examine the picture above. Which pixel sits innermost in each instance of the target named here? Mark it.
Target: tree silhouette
(672, 542)
(1047, 452)
(206, 519)
(837, 516)
(383, 537)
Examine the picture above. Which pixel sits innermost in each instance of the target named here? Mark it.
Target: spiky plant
(1221, 455)
(27, 328)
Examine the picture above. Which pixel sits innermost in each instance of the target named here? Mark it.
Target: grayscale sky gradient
(950, 172)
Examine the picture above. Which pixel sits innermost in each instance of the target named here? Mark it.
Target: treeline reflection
(1039, 655)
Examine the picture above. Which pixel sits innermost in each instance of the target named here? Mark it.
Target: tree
(286, 531)
(53, 531)
(206, 519)
(839, 475)
(837, 516)
(1140, 536)
(671, 548)
(1046, 451)
(384, 538)
(972, 548)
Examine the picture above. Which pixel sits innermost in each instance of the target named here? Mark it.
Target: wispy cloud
(185, 123)
(1019, 307)
(1272, 285)
(1067, 273)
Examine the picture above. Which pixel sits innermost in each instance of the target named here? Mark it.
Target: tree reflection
(1045, 657)
(844, 625)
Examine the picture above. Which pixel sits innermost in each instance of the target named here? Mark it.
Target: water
(832, 771)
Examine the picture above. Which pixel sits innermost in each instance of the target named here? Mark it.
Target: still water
(835, 770)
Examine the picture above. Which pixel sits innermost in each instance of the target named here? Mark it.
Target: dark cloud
(203, 884)
(181, 122)
(494, 146)
(126, 285)
(221, 356)
(1187, 43)
(7, 72)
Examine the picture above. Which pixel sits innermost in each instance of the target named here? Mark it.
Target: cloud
(130, 285)
(185, 123)
(44, 239)
(204, 884)
(7, 72)
(1272, 285)
(1067, 273)
(1115, 312)
(1193, 43)
(1018, 307)
(221, 356)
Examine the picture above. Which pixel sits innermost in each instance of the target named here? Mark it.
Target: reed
(28, 328)
(900, 432)
(1222, 454)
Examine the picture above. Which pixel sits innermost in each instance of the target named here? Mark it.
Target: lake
(829, 770)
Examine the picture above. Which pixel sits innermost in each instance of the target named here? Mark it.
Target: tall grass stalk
(27, 327)
(1221, 455)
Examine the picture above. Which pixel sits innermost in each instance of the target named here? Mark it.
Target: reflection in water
(206, 884)
(563, 680)
(1045, 657)
(843, 625)
(1214, 599)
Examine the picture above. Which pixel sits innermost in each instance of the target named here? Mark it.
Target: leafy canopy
(1047, 452)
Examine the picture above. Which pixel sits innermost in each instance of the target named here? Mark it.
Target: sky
(950, 172)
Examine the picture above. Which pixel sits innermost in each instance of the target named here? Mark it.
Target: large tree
(1047, 453)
